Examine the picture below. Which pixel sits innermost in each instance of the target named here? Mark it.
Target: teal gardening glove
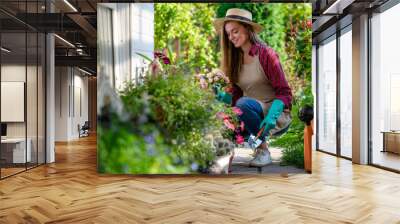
(221, 95)
(274, 112)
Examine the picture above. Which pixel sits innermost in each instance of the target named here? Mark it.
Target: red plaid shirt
(272, 67)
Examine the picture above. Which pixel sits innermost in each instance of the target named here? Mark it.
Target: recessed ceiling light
(70, 5)
(5, 50)
(64, 40)
(338, 6)
(84, 71)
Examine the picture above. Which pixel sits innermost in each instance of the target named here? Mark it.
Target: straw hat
(240, 15)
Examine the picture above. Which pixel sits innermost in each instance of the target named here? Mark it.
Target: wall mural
(204, 88)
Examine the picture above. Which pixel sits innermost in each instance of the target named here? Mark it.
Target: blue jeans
(252, 117)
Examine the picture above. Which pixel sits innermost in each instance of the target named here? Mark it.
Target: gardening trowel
(254, 141)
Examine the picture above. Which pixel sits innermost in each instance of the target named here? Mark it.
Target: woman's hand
(222, 95)
(274, 112)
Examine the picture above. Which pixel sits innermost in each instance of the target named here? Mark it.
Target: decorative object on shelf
(391, 141)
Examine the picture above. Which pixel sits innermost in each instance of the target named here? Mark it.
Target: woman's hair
(232, 57)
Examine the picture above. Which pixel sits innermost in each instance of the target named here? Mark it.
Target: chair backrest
(86, 125)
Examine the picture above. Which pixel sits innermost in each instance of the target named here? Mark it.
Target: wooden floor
(70, 191)
(10, 171)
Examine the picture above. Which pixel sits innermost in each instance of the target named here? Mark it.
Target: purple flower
(194, 166)
(149, 139)
(151, 151)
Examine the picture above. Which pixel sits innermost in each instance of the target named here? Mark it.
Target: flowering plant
(216, 76)
(232, 127)
(155, 67)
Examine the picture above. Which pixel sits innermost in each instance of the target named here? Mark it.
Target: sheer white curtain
(105, 55)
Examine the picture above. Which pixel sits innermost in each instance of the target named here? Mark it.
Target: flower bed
(171, 126)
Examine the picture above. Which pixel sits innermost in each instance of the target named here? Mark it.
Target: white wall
(14, 72)
(62, 81)
(70, 84)
(33, 126)
(10, 73)
(79, 117)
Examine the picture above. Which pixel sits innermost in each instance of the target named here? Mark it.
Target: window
(22, 75)
(327, 95)
(346, 92)
(385, 85)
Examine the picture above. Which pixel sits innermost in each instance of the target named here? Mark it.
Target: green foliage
(188, 26)
(298, 46)
(184, 113)
(144, 57)
(293, 155)
(133, 147)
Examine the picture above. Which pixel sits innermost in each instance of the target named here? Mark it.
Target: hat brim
(219, 23)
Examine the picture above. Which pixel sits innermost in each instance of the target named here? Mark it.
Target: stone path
(240, 164)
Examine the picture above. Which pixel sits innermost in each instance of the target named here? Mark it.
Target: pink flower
(222, 116)
(239, 139)
(162, 55)
(309, 24)
(237, 111)
(242, 126)
(229, 125)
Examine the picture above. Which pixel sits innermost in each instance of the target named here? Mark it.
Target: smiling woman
(259, 89)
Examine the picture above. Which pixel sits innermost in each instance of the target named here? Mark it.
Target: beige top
(254, 84)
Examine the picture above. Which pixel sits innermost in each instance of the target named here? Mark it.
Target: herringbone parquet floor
(70, 191)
